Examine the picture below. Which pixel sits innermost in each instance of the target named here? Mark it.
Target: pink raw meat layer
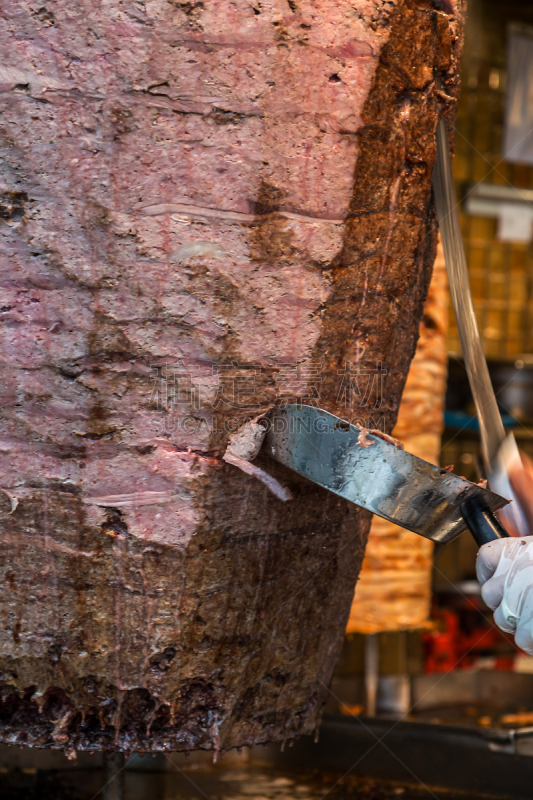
(206, 208)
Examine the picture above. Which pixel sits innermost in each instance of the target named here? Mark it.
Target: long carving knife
(498, 449)
(374, 474)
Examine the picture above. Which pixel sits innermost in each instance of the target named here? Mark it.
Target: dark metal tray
(480, 763)
(356, 758)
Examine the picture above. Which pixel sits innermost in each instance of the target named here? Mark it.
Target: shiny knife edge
(497, 456)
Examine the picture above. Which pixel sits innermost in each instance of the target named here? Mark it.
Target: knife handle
(481, 521)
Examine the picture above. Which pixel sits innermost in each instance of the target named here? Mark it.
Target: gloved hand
(521, 480)
(505, 571)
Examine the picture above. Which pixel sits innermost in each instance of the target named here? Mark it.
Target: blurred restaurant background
(420, 641)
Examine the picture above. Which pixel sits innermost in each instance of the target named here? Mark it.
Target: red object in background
(441, 651)
(463, 637)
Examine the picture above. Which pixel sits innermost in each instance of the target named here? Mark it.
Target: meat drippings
(365, 442)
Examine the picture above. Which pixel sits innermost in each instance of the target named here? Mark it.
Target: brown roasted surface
(206, 208)
(394, 586)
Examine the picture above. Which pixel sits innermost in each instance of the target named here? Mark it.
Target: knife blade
(499, 450)
(382, 478)
(490, 421)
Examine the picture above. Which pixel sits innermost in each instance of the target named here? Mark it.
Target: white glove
(505, 571)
